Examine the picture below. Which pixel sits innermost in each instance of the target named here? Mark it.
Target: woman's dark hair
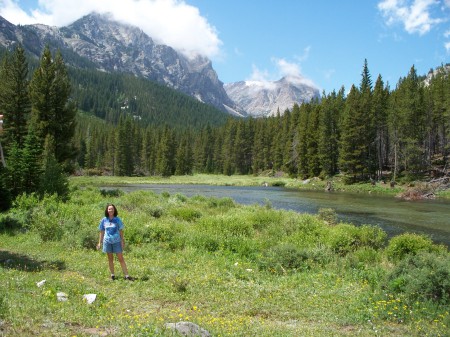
(106, 210)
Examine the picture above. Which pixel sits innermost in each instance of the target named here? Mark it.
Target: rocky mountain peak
(266, 98)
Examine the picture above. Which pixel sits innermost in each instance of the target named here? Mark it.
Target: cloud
(447, 47)
(283, 68)
(416, 15)
(171, 22)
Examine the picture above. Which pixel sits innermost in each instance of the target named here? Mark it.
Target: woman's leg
(122, 263)
(111, 262)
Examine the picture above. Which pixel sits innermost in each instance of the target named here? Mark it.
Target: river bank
(314, 184)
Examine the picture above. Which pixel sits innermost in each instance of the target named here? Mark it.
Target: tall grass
(234, 270)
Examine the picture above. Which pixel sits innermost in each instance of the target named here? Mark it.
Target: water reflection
(395, 216)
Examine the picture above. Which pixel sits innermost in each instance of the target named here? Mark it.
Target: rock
(188, 329)
(62, 297)
(89, 298)
(40, 283)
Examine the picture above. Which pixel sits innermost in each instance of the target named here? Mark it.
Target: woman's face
(111, 211)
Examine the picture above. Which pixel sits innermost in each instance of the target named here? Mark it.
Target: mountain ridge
(113, 46)
(97, 41)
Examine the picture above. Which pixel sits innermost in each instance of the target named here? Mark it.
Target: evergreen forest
(60, 120)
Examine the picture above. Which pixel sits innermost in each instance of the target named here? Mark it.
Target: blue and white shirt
(111, 228)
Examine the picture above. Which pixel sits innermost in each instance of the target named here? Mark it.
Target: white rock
(62, 297)
(90, 298)
(40, 283)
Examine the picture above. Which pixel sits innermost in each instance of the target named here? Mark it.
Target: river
(395, 216)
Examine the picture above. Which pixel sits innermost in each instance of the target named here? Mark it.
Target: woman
(111, 235)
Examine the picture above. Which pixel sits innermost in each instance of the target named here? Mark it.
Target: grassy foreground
(233, 270)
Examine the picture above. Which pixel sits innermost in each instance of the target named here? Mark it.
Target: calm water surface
(395, 216)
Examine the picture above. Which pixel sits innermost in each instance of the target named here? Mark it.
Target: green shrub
(236, 226)
(186, 214)
(423, 276)
(328, 215)
(155, 211)
(282, 258)
(345, 238)
(47, 225)
(179, 198)
(111, 193)
(46, 220)
(406, 244)
(278, 184)
(26, 202)
(225, 203)
(240, 245)
(88, 238)
(167, 233)
(264, 217)
(9, 224)
(206, 241)
(371, 236)
(365, 256)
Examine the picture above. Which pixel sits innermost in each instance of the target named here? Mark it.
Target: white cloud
(415, 15)
(286, 68)
(447, 47)
(172, 22)
(283, 68)
(260, 79)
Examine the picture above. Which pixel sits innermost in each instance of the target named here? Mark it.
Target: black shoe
(113, 277)
(129, 278)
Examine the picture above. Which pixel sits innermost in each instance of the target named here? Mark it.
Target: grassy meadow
(233, 270)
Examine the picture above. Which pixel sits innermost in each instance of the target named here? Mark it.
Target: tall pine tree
(52, 112)
(15, 103)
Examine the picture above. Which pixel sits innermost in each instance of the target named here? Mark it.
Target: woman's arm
(100, 239)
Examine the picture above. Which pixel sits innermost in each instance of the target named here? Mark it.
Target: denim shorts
(115, 247)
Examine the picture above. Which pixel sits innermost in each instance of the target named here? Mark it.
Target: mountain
(98, 41)
(261, 99)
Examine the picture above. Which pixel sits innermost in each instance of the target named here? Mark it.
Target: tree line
(372, 132)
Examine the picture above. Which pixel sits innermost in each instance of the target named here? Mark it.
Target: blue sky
(324, 42)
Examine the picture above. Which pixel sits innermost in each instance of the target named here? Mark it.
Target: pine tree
(124, 154)
(166, 153)
(312, 145)
(53, 180)
(184, 160)
(380, 108)
(14, 99)
(367, 118)
(329, 133)
(229, 165)
(52, 112)
(412, 126)
(351, 146)
(30, 162)
(303, 126)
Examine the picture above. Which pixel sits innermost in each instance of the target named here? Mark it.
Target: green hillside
(109, 95)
